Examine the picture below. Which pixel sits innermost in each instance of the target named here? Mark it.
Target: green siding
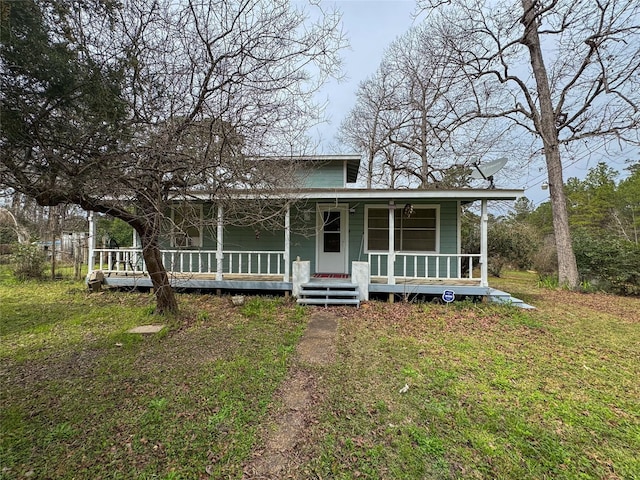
(356, 234)
(328, 175)
(248, 238)
(303, 240)
(448, 238)
(448, 227)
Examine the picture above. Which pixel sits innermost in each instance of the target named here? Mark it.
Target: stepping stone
(146, 329)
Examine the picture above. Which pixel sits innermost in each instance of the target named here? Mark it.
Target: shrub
(545, 259)
(510, 244)
(495, 265)
(28, 262)
(609, 263)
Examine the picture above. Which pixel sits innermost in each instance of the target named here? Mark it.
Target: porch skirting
(249, 283)
(277, 284)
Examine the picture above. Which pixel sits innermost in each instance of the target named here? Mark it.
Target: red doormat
(330, 275)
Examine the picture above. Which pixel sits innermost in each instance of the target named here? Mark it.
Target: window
(186, 226)
(415, 229)
(331, 231)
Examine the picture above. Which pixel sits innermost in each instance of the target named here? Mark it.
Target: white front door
(331, 239)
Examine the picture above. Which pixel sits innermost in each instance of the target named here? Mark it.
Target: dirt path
(279, 456)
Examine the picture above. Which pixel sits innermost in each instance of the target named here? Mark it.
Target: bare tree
(149, 101)
(407, 119)
(365, 127)
(427, 101)
(566, 72)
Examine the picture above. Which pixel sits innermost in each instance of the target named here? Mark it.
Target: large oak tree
(127, 107)
(566, 72)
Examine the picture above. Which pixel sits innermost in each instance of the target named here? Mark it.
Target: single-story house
(339, 243)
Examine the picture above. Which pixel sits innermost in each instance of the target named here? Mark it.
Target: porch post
(391, 279)
(287, 242)
(459, 237)
(136, 256)
(484, 245)
(92, 243)
(136, 239)
(219, 243)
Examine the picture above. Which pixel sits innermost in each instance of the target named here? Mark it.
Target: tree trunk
(166, 301)
(53, 222)
(546, 125)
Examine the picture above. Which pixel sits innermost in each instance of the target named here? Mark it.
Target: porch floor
(428, 281)
(136, 277)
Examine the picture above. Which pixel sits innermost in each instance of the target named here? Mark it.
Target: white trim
(92, 242)
(345, 194)
(344, 172)
(459, 234)
(484, 245)
(220, 243)
(391, 256)
(382, 206)
(311, 158)
(344, 230)
(287, 243)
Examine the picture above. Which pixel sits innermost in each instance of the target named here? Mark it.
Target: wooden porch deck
(280, 278)
(238, 282)
(428, 281)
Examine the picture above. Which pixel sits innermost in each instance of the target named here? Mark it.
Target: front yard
(489, 391)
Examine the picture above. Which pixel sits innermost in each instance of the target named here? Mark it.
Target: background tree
(592, 201)
(109, 105)
(406, 116)
(564, 71)
(602, 224)
(628, 201)
(365, 127)
(603, 218)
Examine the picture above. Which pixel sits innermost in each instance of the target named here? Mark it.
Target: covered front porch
(270, 266)
(121, 272)
(351, 227)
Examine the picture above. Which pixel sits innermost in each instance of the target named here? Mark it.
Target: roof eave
(377, 194)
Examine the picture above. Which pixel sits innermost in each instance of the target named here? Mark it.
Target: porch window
(186, 226)
(415, 229)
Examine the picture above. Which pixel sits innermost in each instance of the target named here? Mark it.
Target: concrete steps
(499, 296)
(329, 293)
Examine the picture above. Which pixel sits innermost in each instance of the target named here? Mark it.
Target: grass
(493, 391)
(82, 398)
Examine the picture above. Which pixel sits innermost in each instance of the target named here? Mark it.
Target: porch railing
(130, 260)
(424, 265)
(407, 265)
(116, 260)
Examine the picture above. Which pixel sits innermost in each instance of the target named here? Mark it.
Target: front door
(331, 240)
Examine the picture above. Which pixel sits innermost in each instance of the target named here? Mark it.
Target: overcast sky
(370, 26)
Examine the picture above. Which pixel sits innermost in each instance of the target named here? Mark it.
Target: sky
(370, 26)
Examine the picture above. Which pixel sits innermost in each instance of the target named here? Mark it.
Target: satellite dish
(487, 170)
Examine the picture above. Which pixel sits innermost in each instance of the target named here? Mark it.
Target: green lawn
(493, 392)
